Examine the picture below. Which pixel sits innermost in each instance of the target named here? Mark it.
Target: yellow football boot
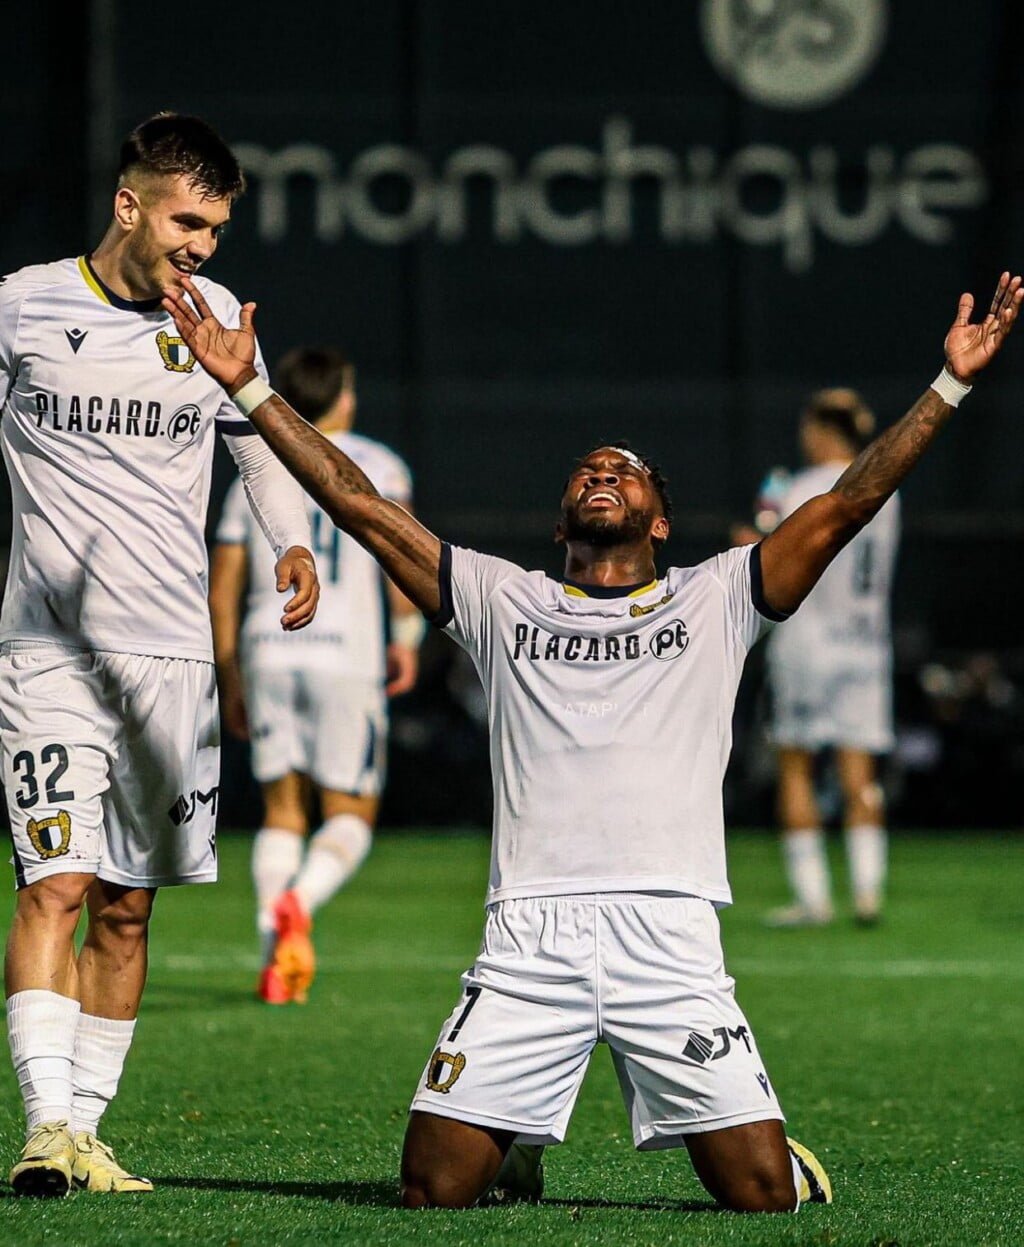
(46, 1163)
(815, 1188)
(96, 1169)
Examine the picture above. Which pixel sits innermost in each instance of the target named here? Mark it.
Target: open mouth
(601, 499)
(183, 267)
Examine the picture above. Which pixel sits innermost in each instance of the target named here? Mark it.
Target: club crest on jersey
(444, 1070)
(51, 837)
(175, 354)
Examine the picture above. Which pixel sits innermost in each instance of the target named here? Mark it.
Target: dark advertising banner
(537, 226)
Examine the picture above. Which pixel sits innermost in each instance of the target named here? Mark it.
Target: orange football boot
(272, 989)
(294, 959)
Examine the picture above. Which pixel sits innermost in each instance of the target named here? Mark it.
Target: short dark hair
(169, 143)
(658, 478)
(310, 378)
(845, 411)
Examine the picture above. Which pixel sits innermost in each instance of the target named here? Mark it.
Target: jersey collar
(607, 591)
(106, 295)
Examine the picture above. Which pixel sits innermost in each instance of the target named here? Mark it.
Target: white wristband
(948, 388)
(408, 630)
(249, 397)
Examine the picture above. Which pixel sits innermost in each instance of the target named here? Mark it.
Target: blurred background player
(108, 702)
(830, 674)
(314, 711)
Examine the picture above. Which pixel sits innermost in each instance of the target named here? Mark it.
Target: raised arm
(794, 556)
(408, 552)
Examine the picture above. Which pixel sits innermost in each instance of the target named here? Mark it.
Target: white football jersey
(107, 431)
(610, 720)
(845, 618)
(347, 634)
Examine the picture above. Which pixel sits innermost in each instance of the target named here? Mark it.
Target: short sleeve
(9, 307)
(739, 573)
(467, 581)
(233, 527)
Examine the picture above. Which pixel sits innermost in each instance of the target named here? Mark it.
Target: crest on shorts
(175, 354)
(444, 1070)
(51, 837)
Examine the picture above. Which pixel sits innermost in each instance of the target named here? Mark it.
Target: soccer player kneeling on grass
(610, 695)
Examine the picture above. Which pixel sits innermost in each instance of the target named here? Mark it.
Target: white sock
(807, 869)
(41, 1032)
(867, 853)
(336, 852)
(101, 1045)
(276, 858)
(798, 1178)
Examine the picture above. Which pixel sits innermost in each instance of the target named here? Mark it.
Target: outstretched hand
(971, 347)
(228, 355)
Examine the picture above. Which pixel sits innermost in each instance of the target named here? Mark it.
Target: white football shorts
(845, 705)
(111, 765)
(332, 728)
(557, 975)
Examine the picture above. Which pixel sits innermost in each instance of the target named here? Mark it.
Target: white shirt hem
(23, 638)
(671, 884)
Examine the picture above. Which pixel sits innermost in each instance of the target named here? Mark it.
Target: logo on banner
(793, 53)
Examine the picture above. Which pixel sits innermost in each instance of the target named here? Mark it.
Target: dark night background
(537, 227)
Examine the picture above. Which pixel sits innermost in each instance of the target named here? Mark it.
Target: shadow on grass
(647, 1205)
(375, 1194)
(385, 1194)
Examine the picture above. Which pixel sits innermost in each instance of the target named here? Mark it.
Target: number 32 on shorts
(28, 775)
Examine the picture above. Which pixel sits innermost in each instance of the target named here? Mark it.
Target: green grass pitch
(897, 1053)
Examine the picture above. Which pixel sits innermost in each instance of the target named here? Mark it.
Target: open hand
(296, 569)
(228, 355)
(971, 347)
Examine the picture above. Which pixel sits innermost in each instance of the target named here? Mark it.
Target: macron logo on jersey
(75, 337)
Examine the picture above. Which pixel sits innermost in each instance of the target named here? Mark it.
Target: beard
(603, 531)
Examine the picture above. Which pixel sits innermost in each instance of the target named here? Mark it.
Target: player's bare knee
(439, 1191)
(760, 1192)
(121, 919)
(54, 899)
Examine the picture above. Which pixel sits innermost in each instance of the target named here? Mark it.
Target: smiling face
(610, 500)
(170, 228)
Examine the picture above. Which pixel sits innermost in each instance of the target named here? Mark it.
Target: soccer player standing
(610, 695)
(830, 672)
(313, 705)
(110, 736)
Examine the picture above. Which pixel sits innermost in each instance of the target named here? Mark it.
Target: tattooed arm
(794, 556)
(409, 553)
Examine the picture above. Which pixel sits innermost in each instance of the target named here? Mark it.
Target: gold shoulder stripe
(573, 592)
(638, 593)
(91, 281)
